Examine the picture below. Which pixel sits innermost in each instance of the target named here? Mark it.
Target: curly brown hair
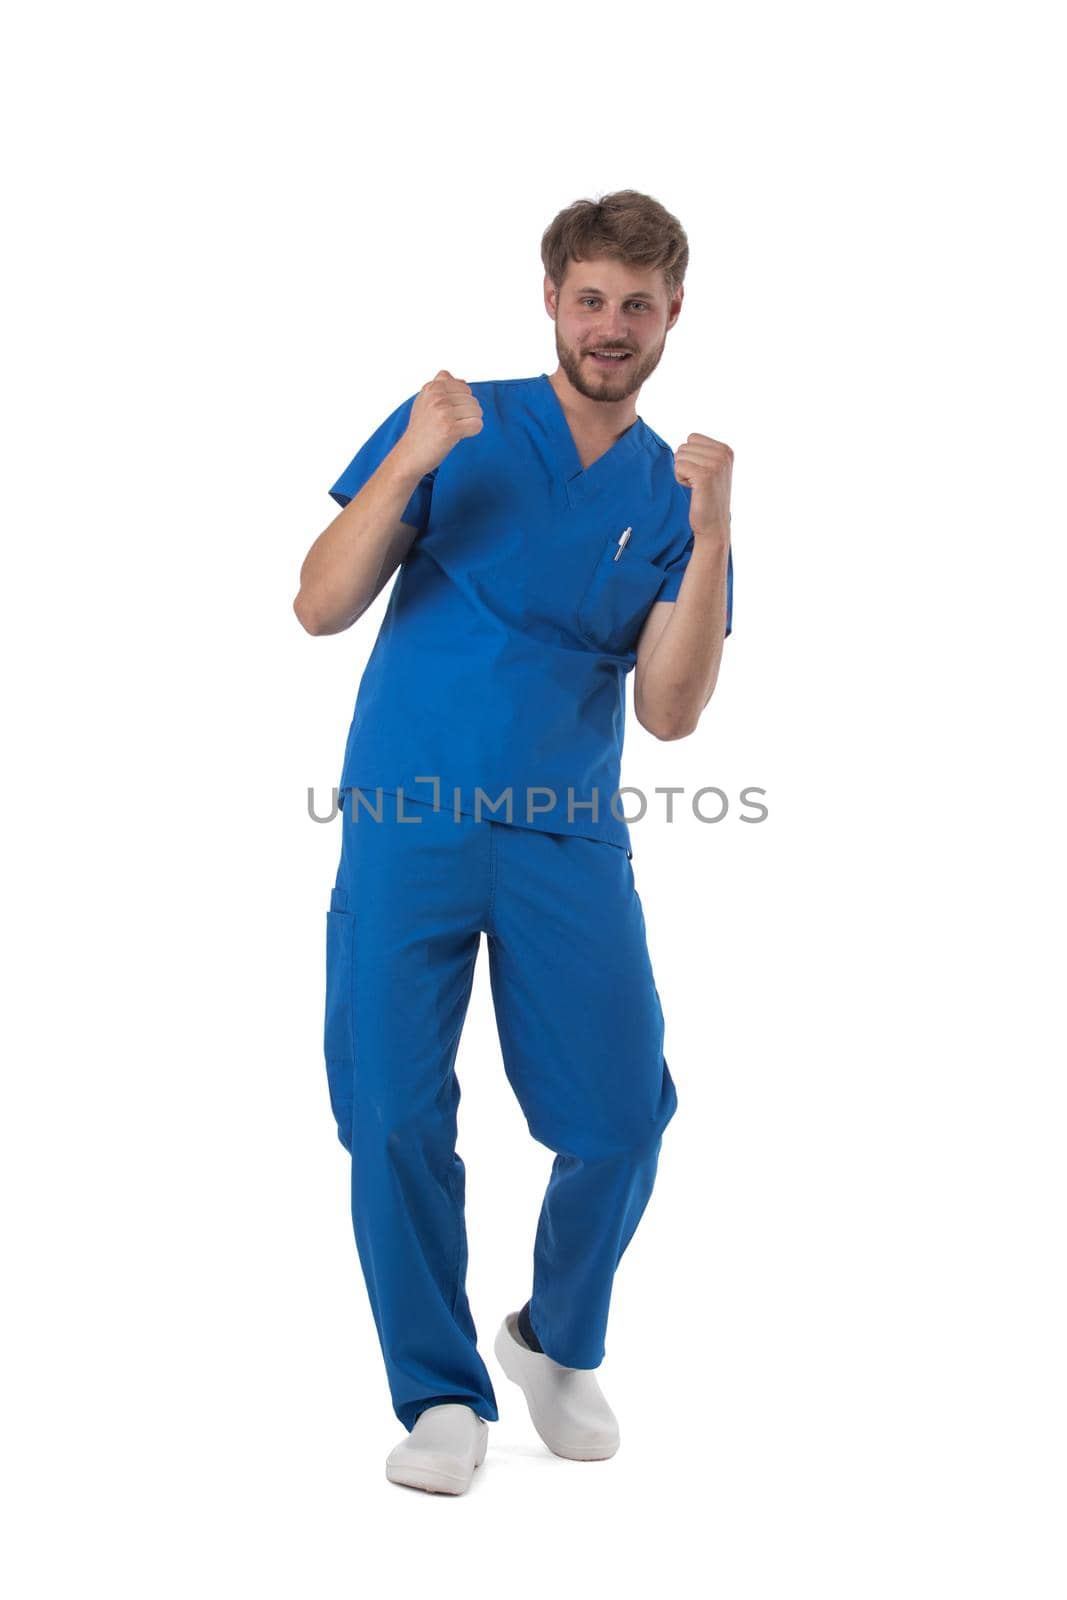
(626, 225)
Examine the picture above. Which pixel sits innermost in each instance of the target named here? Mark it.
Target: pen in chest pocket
(623, 541)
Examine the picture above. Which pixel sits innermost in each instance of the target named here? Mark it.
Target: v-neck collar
(581, 482)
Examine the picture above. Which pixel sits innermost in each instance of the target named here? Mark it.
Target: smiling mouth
(610, 360)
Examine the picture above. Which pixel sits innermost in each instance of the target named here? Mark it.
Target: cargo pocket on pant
(337, 1033)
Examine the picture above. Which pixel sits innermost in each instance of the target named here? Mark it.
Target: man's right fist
(444, 412)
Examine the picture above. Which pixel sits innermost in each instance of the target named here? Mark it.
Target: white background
(241, 236)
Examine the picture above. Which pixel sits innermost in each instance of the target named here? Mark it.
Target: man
(547, 542)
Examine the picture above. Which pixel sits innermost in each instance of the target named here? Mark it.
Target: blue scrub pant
(581, 1035)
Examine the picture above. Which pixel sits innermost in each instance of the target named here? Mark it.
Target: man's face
(606, 305)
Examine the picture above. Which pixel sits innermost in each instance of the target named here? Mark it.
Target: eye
(589, 299)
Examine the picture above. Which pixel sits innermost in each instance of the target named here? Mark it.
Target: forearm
(346, 566)
(681, 670)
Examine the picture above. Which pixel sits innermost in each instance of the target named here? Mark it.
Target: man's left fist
(706, 466)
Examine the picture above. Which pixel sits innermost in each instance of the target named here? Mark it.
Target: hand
(706, 466)
(444, 412)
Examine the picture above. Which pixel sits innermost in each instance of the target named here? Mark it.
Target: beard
(598, 382)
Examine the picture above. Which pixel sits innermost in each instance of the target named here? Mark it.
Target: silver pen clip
(623, 541)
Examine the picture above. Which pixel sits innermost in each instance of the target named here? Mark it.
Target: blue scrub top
(501, 660)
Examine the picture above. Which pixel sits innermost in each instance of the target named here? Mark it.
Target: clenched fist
(444, 412)
(706, 466)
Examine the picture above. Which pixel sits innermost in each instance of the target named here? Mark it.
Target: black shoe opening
(526, 1332)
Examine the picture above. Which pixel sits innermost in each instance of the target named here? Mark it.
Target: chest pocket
(617, 597)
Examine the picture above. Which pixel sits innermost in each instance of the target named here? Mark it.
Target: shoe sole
(434, 1479)
(511, 1361)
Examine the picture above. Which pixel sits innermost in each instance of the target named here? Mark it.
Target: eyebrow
(635, 294)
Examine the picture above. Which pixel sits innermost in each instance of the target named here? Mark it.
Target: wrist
(713, 532)
(402, 470)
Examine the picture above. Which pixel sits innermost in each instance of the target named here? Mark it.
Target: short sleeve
(369, 458)
(675, 572)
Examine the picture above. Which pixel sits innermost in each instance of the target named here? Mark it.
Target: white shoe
(566, 1404)
(442, 1450)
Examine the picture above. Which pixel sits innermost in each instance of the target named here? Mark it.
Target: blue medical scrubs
(478, 796)
(502, 657)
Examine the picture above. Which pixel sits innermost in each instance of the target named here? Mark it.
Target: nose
(613, 337)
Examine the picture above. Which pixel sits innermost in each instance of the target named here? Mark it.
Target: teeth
(612, 355)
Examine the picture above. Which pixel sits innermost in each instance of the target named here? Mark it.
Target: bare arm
(351, 562)
(680, 648)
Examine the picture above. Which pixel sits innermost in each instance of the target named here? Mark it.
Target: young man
(547, 542)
